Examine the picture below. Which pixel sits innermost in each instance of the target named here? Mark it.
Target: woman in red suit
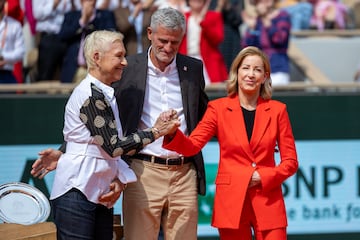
(250, 128)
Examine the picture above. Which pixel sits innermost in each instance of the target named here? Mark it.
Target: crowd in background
(44, 40)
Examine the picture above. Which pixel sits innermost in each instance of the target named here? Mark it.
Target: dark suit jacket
(71, 33)
(130, 92)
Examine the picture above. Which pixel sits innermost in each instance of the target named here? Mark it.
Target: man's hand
(167, 123)
(168, 115)
(45, 163)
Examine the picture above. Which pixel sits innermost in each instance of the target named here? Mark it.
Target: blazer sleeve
(98, 117)
(204, 131)
(272, 177)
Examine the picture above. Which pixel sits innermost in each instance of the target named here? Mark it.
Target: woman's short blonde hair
(232, 83)
(99, 41)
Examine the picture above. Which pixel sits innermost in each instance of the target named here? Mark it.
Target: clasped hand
(167, 122)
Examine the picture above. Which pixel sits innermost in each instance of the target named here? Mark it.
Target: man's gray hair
(168, 18)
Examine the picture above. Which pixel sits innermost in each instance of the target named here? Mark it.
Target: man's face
(164, 45)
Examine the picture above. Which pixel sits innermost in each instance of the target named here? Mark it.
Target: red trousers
(248, 226)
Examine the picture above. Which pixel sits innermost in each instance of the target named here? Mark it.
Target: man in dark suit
(166, 191)
(76, 26)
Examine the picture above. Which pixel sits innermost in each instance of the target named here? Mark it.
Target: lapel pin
(185, 68)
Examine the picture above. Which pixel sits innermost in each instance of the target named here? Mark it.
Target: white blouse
(84, 165)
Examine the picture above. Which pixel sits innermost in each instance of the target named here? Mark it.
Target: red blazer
(212, 35)
(239, 158)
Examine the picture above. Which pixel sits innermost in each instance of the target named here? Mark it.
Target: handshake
(166, 123)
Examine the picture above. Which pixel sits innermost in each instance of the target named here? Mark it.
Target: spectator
(300, 12)
(270, 31)
(204, 34)
(180, 5)
(76, 26)
(12, 46)
(132, 20)
(249, 127)
(31, 45)
(110, 5)
(329, 14)
(29, 15)
(49, 16)
(14, 10)
(231, 13)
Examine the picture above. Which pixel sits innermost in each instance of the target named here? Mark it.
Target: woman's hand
(116, 188)
(255, 179)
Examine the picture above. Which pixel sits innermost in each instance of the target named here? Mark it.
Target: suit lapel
(130, 92)
(142, 68)
(262, 120)
(184, 75)
(237, 125)
(140, 77)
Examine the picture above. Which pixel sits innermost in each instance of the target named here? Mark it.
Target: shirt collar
(108, 91)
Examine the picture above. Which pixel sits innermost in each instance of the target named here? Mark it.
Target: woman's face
(112, 62)
(251, 74)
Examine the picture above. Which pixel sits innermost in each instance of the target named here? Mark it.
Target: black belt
(164, 161)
